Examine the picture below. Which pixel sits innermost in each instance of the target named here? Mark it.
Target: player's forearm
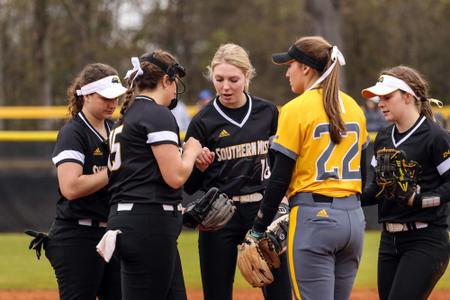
(84, 185)
(275, 191)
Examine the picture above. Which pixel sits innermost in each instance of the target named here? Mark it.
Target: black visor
(295, 54)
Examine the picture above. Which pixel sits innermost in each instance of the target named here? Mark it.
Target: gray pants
(325, 246)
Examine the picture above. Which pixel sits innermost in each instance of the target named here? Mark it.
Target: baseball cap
(108, 87)
(385, 85)
(296, 54)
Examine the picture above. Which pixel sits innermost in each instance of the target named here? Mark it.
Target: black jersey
(429, 145)
(135, 176)
(240, 141)
(79, 142)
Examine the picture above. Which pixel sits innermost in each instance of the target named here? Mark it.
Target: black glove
(210, 212)
(396, 176)
(39, 241)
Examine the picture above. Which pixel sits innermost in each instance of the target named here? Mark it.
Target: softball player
(319, 142)
(147, 172)
(414, 248)
(80, 156)
(236, 127)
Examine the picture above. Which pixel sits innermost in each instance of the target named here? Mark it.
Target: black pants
(80, 272)
(218, 255)
(147, 249)
(410, 263)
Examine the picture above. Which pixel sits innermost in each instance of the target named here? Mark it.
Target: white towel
(107, 244)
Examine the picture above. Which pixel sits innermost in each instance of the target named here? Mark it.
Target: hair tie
(136, 68)
(337, 54)
(436, 102)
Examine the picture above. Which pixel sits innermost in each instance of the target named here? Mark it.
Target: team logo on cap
(115, 79)
(381, 79)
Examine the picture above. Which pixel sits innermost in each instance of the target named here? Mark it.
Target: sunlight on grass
(21, 270)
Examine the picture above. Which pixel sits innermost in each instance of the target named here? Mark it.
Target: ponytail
(129, 100)
(425, 108)
(331, 104)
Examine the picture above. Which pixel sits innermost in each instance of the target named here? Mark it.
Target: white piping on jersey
(92, 128)
(68, 154)
(444, 166)
(408, 135)
(216, 106)
(164, 135)
(366, 144)
(373, 163)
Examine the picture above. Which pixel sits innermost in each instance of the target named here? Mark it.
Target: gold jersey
(322, 166)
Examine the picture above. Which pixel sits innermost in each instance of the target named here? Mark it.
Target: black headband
(172, 71)
(298, 55)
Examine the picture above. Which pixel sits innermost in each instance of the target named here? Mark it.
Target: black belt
(322, 198)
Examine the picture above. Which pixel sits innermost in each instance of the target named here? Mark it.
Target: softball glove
(396, 176)
(210, 212)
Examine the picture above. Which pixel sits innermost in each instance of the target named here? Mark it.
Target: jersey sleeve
(160, 126)
(288, 133)
(197, 131)
(69, 146)
(441, 152)
(365, 138)
(273, 129)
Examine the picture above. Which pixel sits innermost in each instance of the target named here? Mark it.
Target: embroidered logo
(98, 152)
(223, 133)
(446, 153)
(381, 79)
(115, 79)
(322, 213)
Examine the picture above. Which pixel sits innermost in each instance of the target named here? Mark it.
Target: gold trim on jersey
(291, 234)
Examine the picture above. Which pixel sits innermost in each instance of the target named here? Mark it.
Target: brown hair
(147, 81)
(234, 55)
(319, 49)
(90, 73)
(417, 83)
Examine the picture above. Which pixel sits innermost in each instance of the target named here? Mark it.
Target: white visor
(387, 84)
(109, 87)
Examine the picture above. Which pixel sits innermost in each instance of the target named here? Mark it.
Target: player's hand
(193, 146)
(205, 158)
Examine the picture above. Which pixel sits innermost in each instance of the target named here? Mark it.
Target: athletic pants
(325, 244)
(218, 255)
(410, 263)
(147, 248)
(80, 271)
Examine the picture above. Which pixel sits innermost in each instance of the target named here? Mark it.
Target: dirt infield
(241, 294)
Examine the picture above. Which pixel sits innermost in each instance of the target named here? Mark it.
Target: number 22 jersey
(322, 166)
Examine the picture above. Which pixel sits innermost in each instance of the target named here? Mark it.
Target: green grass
(20, 269)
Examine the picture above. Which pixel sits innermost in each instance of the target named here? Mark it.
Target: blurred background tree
(44, 43)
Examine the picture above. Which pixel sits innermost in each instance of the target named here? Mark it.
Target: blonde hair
(234, 55)
(319, 49)
(417, 83)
